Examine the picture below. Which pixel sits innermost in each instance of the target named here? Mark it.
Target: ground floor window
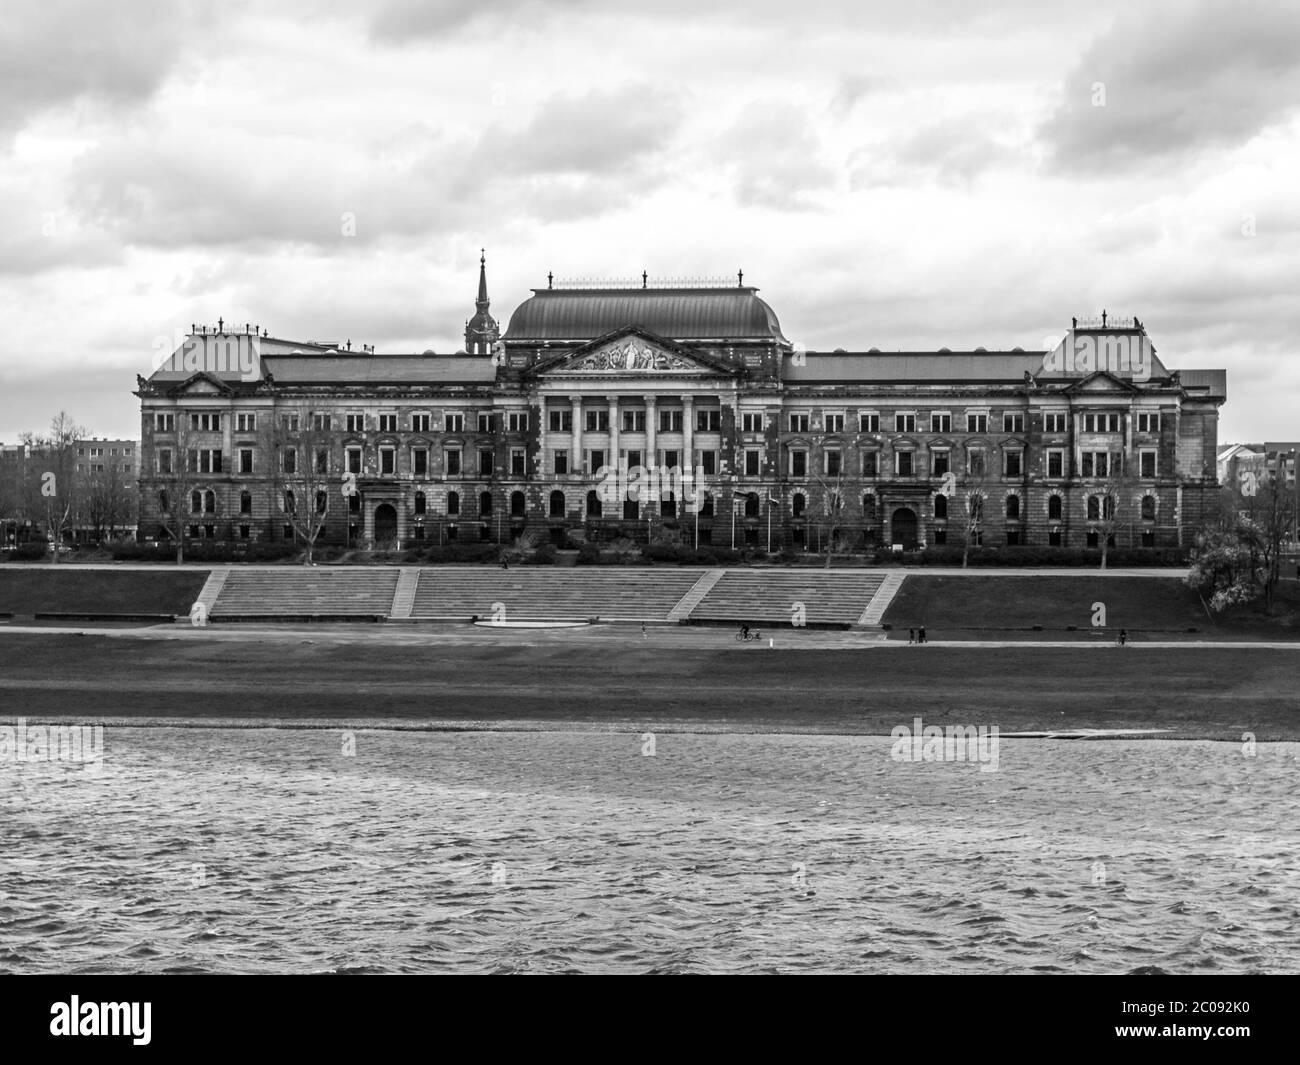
(484, 533)
(940, 537)
(288, 532)
(797, 537)
(1054, 538)
(1013, 537)
(751, 537)
(243, 532)
(1148, 538)
(706, 537)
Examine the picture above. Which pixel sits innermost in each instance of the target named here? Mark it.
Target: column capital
(688, 399)
(650, 400)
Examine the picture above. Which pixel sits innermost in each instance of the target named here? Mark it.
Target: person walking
(911, 636)
(920, 636)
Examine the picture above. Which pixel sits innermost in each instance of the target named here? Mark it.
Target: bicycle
(745, 637)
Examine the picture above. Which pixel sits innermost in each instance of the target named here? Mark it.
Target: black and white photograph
(558, 487)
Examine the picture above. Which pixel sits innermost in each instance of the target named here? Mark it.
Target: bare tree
(302, 455)
(1110, 503)
(974, 497)
(174, 480)
(106, 500)
(60, 482)
(836, 508)
(1269, 506)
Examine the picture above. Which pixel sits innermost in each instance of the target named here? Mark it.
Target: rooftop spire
(482, 301)
(481, 331)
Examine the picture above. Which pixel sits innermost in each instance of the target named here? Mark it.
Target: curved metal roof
(679, 314)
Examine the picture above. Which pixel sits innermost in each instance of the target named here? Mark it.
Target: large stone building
(680, 411)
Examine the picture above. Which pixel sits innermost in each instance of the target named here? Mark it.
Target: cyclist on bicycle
(744, 632)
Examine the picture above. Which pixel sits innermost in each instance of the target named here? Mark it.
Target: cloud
(952, 151)
(775, 157)
(55, 52)
(1163, 83)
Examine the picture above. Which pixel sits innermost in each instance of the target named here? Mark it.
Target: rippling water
(267, 850)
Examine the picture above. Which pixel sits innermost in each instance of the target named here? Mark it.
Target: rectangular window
(486, 462)
(560, 421)
(356, 423)
(322, 460)
(1056, 463)
(798, 423)
(164, 460)
(798, 464)
(940, 537)
(708, 421)
(871, 464)
(454, 422)
(670, 421)
(245, 460)
(751, 462)
(288, 532)
(289, 423)
(634, 421)
(940, 421)
(633, 458)
(904, 423)
(751, 423)
(484, 421)
(903, 463)
(1147, 463)
(246, 423)
(977, 423)
(868, 422)
(1054, 422)
(420, 422)
(518, 421)
(420, 461)
(205, 460)
(1013, 422)
(1096, 463)
(835, 423)
(709, 462)
(560, 461)
(1012, 463)
(354, 460)
(975, 463)
(832, 463)
(388, 423)
(671, 458)
(387, 461)
(243, 532)
(938, 463)
(164, 423)
(451, 459)
(205, 423)
(1101, 423)
(1148, 423)
(518, 468)
(1054, 538)
(320, 423)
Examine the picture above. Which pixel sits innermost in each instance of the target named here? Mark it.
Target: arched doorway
(385, 523)
(902, 528)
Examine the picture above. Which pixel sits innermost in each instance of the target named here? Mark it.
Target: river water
(275, 850)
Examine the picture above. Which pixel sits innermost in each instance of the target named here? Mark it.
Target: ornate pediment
(631, 354)
(634, 352)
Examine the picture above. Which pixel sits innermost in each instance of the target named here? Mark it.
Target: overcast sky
(897, 175)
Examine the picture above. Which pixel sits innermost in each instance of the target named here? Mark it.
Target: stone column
(613, 431)
(688, 428)
(575, 460)
(650, 415)
(368, 522)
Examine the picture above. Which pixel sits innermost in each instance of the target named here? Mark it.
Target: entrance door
(903, 528)
(385, 524)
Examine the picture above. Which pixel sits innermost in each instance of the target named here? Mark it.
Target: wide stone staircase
(787, 597)
(294, 593)
(611, 593)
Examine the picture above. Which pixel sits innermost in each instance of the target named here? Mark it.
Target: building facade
(678, 412)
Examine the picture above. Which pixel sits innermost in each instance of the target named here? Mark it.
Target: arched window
(751, 505)
(1094, 508)
(163, 501)
(288, 501)
(706, 505)
(1108, 507)
(798, 504)
(557, 504)
(421, 505)
(517, 504)
(322, 502)
(453, 503)
(245, 502)
(940, 507)
(1148, 508)
(1013, 507)
(1054, 507)
(975, 504)
(485, 504)
(196, 502)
